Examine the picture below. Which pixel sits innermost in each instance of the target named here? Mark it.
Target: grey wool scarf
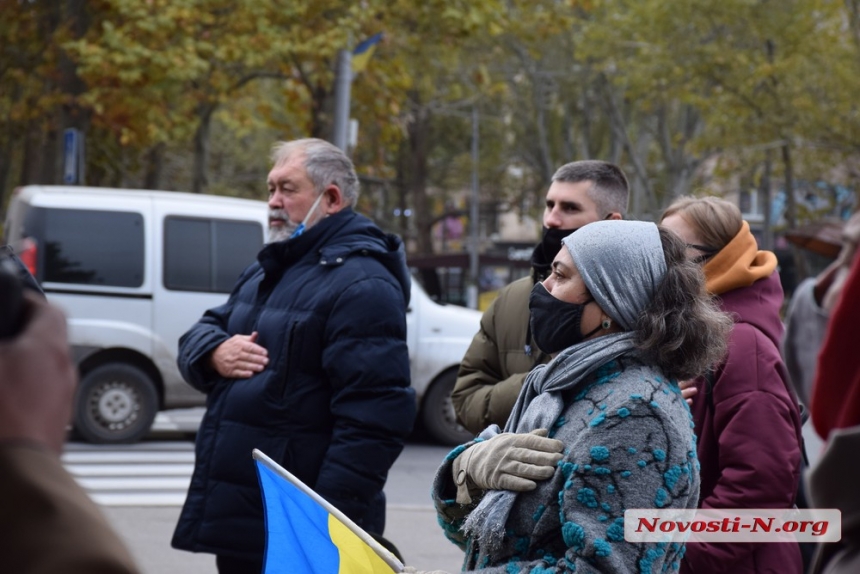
(622, 264)
(539, 405)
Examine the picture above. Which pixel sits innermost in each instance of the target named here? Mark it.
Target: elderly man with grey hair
(307, 361)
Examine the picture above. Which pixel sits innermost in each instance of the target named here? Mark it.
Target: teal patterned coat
(629, 444)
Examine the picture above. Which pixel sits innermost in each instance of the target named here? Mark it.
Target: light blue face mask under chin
(303, 225)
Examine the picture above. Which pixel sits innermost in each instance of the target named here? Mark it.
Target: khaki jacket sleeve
(496, 364)
(480, 397)
(48, 524)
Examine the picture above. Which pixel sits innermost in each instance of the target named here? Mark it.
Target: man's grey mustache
(278, 214)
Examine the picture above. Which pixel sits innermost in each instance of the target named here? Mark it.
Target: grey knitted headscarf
(622, 264)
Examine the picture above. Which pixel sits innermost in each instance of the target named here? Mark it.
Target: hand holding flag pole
(305, 533)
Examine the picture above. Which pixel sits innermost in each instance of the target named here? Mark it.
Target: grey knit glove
(508, 461)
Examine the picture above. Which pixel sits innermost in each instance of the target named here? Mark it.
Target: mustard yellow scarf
(738, 264)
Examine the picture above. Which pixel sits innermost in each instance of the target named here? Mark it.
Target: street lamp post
(473, 216)
(341, 99)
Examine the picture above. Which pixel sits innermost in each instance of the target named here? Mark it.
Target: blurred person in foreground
(48, 524)
(602, 427)
(746, 415)
(809, 310)
(833, 482)
(307, 361)
(503, 351)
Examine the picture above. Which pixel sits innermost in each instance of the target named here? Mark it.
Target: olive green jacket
(494, 368)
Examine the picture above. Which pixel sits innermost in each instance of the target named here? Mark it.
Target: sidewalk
(419, 538)
(410, 522)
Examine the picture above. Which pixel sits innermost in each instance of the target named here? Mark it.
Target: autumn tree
(38, 87)
(747, 75)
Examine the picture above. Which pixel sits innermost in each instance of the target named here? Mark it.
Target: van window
(87, 247)
(208, 254)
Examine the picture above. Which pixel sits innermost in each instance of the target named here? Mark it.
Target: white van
(134, 269)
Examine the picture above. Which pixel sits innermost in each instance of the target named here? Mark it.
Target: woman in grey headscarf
(626, 316)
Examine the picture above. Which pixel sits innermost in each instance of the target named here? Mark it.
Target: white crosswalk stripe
(144, 474)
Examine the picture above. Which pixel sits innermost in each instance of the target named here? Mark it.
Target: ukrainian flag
(304, 533)
(363, 52)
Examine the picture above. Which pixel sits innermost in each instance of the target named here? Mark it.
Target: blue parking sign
(72, 156)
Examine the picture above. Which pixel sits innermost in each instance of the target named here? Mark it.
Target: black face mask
(555, 324)
(547, 249)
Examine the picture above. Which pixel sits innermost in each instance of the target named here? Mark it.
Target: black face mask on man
(555, 324)
(547, 249)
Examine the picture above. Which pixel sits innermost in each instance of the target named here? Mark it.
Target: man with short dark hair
(307, 361)
(503, 351)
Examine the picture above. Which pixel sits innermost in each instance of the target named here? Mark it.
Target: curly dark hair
(681, 330)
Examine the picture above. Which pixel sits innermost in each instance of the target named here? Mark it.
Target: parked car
(134, 269)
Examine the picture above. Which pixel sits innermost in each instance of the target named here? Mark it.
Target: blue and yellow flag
(363, 52)
(304, 533)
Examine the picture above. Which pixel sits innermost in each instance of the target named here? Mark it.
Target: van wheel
(115, 403)
(437, 412)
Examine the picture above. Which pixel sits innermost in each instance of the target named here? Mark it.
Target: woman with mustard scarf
(746, 415)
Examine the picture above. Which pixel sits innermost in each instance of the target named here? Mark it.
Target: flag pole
(383, 552)
(343, 85)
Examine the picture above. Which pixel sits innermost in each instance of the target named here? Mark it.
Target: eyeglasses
(707, 252)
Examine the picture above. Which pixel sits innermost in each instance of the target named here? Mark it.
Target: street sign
(352, 137)
(73, 156)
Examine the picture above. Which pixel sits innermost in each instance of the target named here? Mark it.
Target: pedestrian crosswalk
(157, 471)
(144, 474)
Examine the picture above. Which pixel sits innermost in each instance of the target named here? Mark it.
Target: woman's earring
(606, 324)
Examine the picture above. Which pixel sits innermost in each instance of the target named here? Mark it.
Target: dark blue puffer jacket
(333, 406)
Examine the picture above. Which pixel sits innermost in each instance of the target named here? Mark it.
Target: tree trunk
(31, 165)
(764, 193)
(643, 142)
(52, 152)
(680, 166)
(402, 192)
(199, 180)
(854, 19)
(321, 103)
(72, 115)
(41, 157)
(154, 166)
(585, 122)
(418, 146)
(121, 174)
(790, 203)
(620, 131)
(616, 147)
(322, 112)
(6, 158)
(540, 93)
(539, 90)
(567, 145)
(801, 268)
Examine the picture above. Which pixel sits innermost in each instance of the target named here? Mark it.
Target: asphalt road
(411, 523)
(118, 478)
